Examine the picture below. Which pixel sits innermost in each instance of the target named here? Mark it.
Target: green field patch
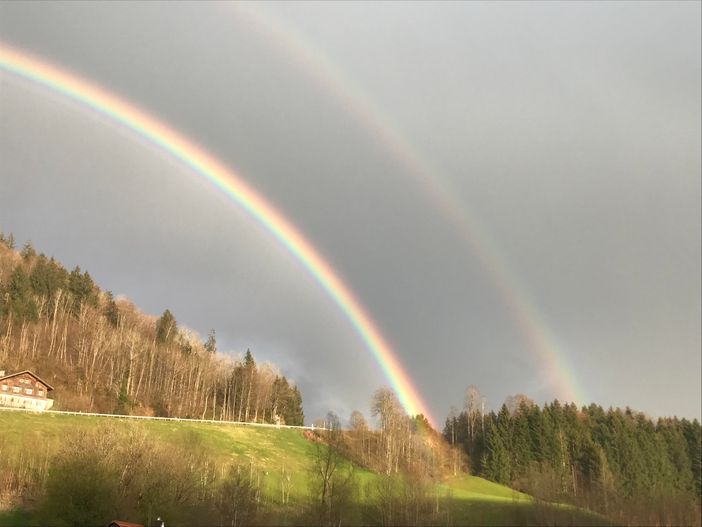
(280, 460)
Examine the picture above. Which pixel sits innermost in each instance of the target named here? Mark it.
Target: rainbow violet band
(223, 178)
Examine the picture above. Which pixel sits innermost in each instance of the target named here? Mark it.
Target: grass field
(473, 500)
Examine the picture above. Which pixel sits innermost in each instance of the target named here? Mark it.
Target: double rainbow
(203, 164)
(557, 370)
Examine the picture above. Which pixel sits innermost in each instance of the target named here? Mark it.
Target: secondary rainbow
(312, 59)
(205, 165)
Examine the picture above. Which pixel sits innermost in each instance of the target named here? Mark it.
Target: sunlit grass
(474, 488)
(271, 454)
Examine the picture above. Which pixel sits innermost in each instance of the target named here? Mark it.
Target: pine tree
(294, 414)
(166, 327)
(123, 402)
(28, 253)
(82, 288)
(521, 443)
(250, 372)
(47, 277)
(589, 462)
(495, 462)
(20, 302)
(670, 431)
(211, 342)
(111, 310)
(537, 433)
(692, 431)
(249, 362)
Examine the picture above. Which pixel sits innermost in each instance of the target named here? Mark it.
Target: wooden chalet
(25, 390)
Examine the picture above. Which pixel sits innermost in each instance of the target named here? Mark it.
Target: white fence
(208, 421)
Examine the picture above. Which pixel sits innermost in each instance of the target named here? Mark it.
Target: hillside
(104, 355)
(280, 461)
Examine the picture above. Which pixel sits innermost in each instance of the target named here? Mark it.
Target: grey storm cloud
(568, 133)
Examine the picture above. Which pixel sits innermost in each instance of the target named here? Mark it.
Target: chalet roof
(48, 386)
(120, 523)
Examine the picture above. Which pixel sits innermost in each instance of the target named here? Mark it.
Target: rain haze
(511, 190)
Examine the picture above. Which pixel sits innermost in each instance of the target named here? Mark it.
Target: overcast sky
(567, 136)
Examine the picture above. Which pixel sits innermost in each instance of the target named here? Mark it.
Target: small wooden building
(25, 390)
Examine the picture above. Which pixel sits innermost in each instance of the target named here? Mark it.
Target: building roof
(120, 523)
(48, 386)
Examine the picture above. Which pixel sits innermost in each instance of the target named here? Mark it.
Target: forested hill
(102, 354)
(619, 462)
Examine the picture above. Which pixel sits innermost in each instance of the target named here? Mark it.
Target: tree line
(103, 355)
(619, 462)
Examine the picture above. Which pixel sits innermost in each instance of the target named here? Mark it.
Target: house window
(28, 391)
(15, 389)
(40, 393)
(4, 387)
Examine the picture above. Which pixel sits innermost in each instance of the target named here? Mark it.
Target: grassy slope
(474, 501)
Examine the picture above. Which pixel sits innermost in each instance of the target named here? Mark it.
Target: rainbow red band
(206, 166)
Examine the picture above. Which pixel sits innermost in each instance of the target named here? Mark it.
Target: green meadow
(282, 458)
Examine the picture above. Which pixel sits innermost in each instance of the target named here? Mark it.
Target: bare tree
(359, 434)
(386, 408)
(515, 402)
(357, 422)
(236, 497)
(452, 420)
(472, 405)
(333, 479)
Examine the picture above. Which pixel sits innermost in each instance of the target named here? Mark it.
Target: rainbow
(204, 165)
(311, 59)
